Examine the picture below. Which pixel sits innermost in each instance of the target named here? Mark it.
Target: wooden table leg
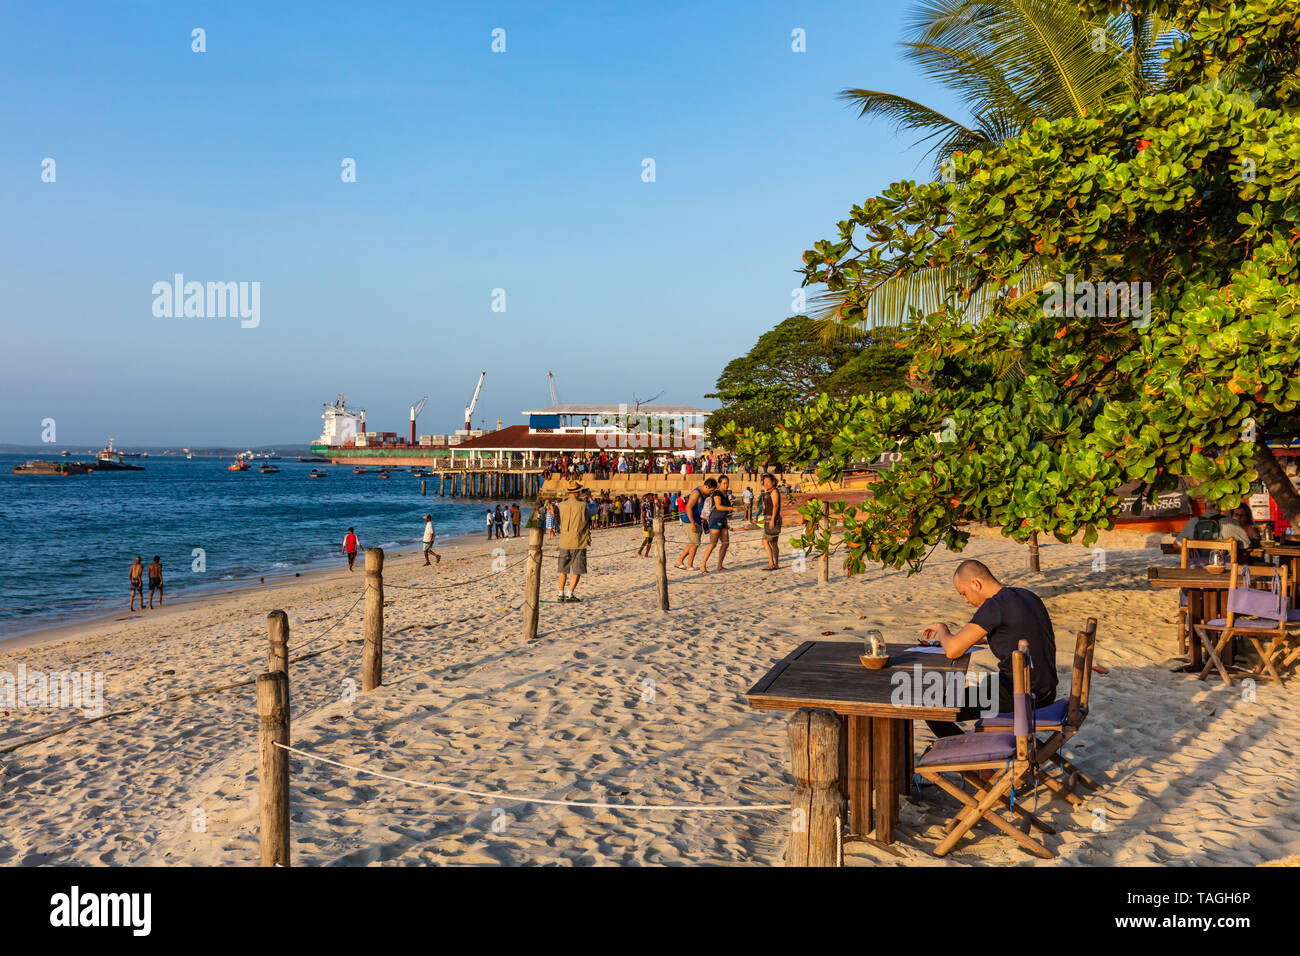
(884, 761)
(859, 773)
(908, 755)
(1195, 615)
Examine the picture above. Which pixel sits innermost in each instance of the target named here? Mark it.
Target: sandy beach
(614, 703)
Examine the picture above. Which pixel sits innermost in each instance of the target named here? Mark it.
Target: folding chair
(1186, 547)
(1262, 616)
(1009, 755)
(1061, 720)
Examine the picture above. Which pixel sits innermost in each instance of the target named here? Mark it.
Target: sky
(522, 171)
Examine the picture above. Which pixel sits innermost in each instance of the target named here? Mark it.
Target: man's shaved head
(970, 571)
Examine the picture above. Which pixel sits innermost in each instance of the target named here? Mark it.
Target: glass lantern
(873, 645)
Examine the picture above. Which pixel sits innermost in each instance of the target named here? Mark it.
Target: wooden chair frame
(1277, 637)
(990, 794)
(1049, 748)
(1186, 545)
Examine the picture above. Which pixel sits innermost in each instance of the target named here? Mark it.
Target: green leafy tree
(1009, 62)
(789, 366)
(1193, 195)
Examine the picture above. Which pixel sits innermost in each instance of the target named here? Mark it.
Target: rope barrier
(517, 798)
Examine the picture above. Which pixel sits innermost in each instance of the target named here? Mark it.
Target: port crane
(415, 410)
(469, 409)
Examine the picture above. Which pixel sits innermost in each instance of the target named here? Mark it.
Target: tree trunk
(1276, 482)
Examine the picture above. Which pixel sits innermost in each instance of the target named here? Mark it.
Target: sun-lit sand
(615, 703)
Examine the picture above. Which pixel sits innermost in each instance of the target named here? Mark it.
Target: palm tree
(1010, 62)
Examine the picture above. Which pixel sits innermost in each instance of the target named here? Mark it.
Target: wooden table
(1207, 599)
(878, 767)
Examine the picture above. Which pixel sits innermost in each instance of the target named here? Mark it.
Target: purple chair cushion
(1244, 624)
(1045, 718)
(969, 748)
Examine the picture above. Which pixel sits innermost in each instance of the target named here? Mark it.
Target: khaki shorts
(692, 536)
(573, 561)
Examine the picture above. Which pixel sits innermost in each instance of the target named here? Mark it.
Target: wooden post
(277, 655)
(661, 561)
(1033, 552)
(533, 584)
(817, 810)
(273, 765)
(859, 774)
(884, 758)
(423, 490)
(442, 486)
(372, 653)
(824, 571)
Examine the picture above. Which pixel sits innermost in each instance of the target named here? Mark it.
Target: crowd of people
(603, 464)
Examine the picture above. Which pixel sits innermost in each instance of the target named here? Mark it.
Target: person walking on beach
(648, 511)
(747, 499)
(429, 535)
(1004, 616)
(575, 538)
(350, 547)
(489, 524)
(499, 522)
(770, 502)
(155, 583)
(515, 515)
(137, 582)
(691, 517)
(719, 533)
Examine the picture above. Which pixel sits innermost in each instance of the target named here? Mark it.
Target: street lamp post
(585, 422)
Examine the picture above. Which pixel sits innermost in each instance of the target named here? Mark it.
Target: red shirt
(350, 543)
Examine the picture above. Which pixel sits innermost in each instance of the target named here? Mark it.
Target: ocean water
(69, 541)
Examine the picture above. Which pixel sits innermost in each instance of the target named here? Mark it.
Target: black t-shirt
(1014, 615)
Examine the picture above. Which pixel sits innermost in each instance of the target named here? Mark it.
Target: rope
(517, 798)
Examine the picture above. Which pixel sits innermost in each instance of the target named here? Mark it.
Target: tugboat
(52, 468)
(238, 465)
(110, 459)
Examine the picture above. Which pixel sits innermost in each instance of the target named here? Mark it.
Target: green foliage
(790, 366)
(1196, 192)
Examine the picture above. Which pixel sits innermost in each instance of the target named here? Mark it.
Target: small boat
(383, 474)
(268, 470)
(359, 471)
(110, 459)
(318, 474)
(238, 465)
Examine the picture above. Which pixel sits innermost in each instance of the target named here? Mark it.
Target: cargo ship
(345, 440)
(52, 468)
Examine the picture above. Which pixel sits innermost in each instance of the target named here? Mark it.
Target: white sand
(1193, 773)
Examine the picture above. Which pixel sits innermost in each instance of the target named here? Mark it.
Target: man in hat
(575, 538)
(428, 541)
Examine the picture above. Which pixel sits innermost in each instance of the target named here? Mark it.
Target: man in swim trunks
(691, 516)
(350, 547)
(137, 582)
(429, 535)
(771, 502)
(155, 583)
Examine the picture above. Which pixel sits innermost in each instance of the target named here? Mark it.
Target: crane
(469, 409)
(415, 410)
(550, 380)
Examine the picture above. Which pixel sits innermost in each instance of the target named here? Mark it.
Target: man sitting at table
(1004, 616)
(1213, 526)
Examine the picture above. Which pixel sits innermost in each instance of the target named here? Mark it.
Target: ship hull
(406, 455)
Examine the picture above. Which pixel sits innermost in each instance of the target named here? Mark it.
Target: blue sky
(475, 171)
